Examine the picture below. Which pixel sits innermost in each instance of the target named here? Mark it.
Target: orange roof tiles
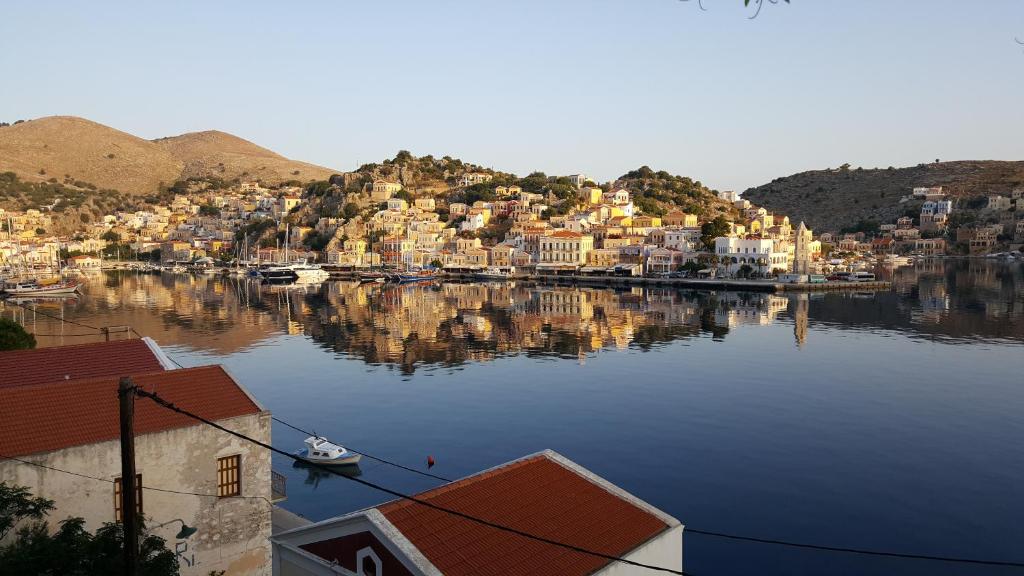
(55, 415)
(566, 234)
(536, 495)
(60, 363)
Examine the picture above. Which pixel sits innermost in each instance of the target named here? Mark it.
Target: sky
(598, 87)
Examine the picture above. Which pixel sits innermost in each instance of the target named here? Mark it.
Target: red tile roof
(55, 415)
(77, 362)
(537, 495)
(566, 234)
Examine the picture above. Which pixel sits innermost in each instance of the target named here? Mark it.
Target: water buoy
(430, 462)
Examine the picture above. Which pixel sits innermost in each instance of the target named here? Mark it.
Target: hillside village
(410, 213)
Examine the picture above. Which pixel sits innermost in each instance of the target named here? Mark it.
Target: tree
(71, 549)
(111, 236)
(209, 210)
(13, 337)
(714, 229)
(745, 270)
(350, 211)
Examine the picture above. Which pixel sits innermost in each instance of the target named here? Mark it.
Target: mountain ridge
(829, 200)
(63, 147)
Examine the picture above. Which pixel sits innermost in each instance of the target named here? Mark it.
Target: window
(229, 478)
(119, 501)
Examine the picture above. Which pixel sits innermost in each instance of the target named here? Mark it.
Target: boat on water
(319, 450)
(297, 272)
(896, 261)
(418, 276)
(35, 288)
(375, 277)
(493, 273)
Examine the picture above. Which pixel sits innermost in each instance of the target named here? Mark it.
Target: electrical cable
(108, 481)
(174, 408)
(370, 456)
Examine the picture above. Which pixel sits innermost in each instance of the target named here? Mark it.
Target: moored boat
(319, 450)
(420, 276)
(34, 288)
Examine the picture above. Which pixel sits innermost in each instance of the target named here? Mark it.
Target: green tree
(71, 549)
(111, 236)
(713, 229)
(209, 210)
(13, 337)
(350, 211)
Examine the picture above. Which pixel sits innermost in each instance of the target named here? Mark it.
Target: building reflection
(446, 324)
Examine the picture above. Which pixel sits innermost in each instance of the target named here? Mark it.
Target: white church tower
(802, 250)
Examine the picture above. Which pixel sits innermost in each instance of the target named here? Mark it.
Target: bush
(14, 337)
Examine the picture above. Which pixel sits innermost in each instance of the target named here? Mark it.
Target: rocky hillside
(215, 153)
(829, 200)
(67, 147)
(657, 193)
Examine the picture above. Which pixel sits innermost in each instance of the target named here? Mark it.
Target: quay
(689, 283)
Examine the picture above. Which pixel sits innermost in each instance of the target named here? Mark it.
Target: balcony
(278, 487)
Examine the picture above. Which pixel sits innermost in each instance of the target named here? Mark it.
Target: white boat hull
(346, 459)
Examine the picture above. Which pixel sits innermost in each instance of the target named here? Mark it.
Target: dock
(734, 285)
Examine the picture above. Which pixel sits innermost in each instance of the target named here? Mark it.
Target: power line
(171, 406)
(737, 537)
(763, 540)
(108, 481)
(856, 550)
(35, 310)
(370, 456)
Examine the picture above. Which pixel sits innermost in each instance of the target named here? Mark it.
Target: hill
(70, 148)
(830, 200)
(216, 153)
(66, 146)
(657, 193)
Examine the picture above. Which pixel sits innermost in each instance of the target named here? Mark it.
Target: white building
(545, 490)
(578, 179)
(758, 253)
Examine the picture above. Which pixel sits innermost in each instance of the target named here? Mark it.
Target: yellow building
(566, 247)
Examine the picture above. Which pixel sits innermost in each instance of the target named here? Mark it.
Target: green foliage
(868, 227)
(404, 194)
(256, 228)
(316, 241)
(71, 549)
(350, 211)
(17, 503)
(713, 229)
(110, 236)
(209, 210)
(667, 191)
(318, 188)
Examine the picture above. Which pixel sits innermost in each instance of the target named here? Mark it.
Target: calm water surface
(891, 420)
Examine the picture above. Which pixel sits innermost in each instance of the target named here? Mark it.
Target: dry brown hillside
(56, 146)
(66, 146)
(215, 153)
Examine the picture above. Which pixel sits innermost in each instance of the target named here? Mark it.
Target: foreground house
(543, 494)
(61, 410)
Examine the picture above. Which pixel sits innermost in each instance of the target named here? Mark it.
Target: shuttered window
(229, 476)
(119, 500)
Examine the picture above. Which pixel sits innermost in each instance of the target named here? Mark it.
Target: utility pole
(130, 520)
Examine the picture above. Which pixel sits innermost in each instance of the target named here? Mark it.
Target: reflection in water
(447, 324)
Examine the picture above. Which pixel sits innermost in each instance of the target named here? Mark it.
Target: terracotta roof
(566, 234)
(55, 415)
(77, 362)
(537, 495)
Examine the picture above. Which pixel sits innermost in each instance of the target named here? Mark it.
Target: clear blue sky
(592, 86)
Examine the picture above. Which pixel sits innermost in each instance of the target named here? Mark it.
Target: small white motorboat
(321, 451)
